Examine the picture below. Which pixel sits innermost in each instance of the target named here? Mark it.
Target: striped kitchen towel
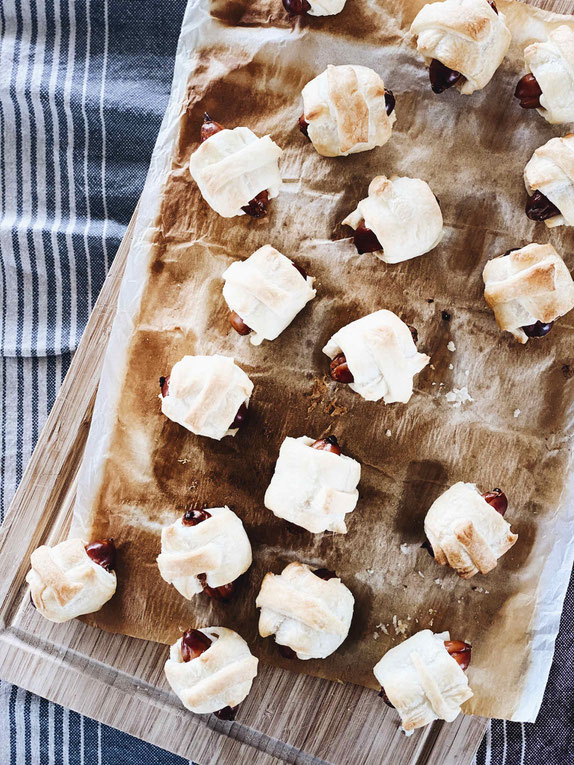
(83, 84)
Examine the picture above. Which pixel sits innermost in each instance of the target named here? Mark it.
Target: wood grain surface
(557, 6)
(119, 680)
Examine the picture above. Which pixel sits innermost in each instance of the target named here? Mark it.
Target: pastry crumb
(317, 393)
(404, 548)
(319, 389)
(335, 410)
(458, 396)
(375, 635)
(369, 571)
(399, 625)
(517, 412)
(184, 461)
(388, 433)
(432, 366)
(451, 346)
(451, 366)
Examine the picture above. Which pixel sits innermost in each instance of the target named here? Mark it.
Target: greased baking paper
(246, 65)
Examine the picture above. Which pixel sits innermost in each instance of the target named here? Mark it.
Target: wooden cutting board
(119, 680)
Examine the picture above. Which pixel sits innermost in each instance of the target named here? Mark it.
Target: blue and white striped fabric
(83, 85)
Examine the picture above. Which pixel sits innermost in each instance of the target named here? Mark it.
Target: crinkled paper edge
(135, 277)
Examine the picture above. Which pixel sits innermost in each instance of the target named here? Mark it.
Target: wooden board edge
(207, 739)
(451, 744)
(51, 454)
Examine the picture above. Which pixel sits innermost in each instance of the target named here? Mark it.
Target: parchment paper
(140, 471)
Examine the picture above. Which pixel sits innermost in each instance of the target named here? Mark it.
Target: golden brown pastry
(211, 670)
(314, 486)
(307, 611)
(549, 85)
(237, 172)
(72, 578)
(208, 395)
(528, 289)
(467, 530)
(549, 179)
(424, 678)
(462, 41)
(399, 220)
(265, 293)
(377, 357)
(205, 550)
(346, 109)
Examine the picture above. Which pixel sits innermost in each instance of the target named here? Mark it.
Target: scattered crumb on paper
(458, 396)
(399, 625)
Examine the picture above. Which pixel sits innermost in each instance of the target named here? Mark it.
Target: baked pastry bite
(549, 85)
(549, 180)
(204, 551)
(399, 220)
(72, 578)
(462, 41)
(314, 486)
(528, 289)
(467, 531)
(237, 172)
(424, 678)
(347, 109)
(211, 670)
(309, 612)
(377, 357)
(208, 395)
(265, 293)
(313, 7)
